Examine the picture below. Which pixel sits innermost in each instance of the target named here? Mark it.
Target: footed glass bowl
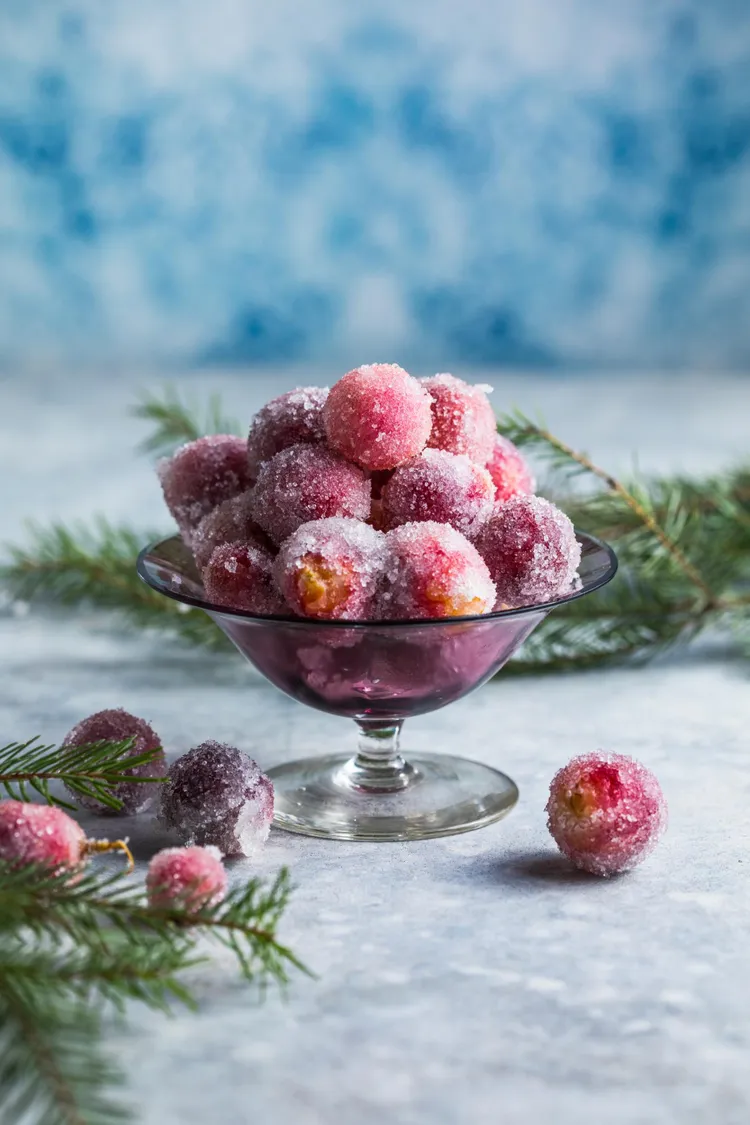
(377, 673)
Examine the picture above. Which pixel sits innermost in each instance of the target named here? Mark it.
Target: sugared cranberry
(217, 795)
(201, 475)
(378, 416)
(442, 487)
(116, 725)
(531, 550)
(191, 878)
(307, 482)
(605, 812)
(46, 836)
(292, 418)
(240, 576)
(509, 471)
(463, 420)
(331, 569)
(431, 570)
(230, 522)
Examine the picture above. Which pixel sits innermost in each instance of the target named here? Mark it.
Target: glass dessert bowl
(379, 674)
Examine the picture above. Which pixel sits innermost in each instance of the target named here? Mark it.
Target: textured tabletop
(471, 979)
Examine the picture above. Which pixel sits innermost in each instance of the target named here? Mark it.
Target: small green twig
(89, 771)
(176, 421)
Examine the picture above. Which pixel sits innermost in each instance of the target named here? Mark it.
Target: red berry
(240, 576)
(290, 419)
(431, 570)
(230, 522)
(605, 812)
(307, 482)
(378, 416)
(201, 475)
(116, 725)
(331, 569)
(40, 834)
(442, 487)
(217, 795)
(531, 550)
(509, 471)
(47, 836)
(463, 420)
(192, 878)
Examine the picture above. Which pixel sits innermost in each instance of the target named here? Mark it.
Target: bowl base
(444, 796)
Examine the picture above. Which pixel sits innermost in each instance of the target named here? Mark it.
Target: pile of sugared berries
(385, 498)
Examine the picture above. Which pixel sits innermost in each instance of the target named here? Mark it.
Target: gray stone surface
(473, 979)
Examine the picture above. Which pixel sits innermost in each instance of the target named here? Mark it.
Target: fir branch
(51, 1062)
(176, 421)
(71, 947)
(89, 771)
(53, 999)
(684, 553)
(52, 906)
(524, 433)
(559, 645)
(111, 967)
(94, 566)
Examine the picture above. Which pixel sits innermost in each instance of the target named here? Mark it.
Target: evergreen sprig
(88, 771)
(72, 951)
(175, 420)
(93, 566)
(684, 551)
(97, 909)
(52, 1067)
(683, 546)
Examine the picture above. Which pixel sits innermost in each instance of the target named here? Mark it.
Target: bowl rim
(428, 622)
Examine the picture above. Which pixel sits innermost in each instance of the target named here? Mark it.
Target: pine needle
(90, 908)
(683, 548)
(89, 771)
(93, 566)
(175, 421)
(52, 1068)
(72, 948)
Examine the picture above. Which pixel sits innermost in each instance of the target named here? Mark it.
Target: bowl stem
(378, 766)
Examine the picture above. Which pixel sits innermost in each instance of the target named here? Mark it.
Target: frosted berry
(201, 475)
(217, 795)
(605, 812)
(531, 550)
(48, 837)
(431, 570)
(240, 576)
(331, 569)
(439, 486)
(378, 416)
(230, 522)
(290, 419)
(191, 878)
(117, 725)
(509, 471)
(307, 482)
(463, 420)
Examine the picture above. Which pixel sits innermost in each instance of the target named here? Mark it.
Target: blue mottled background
(525, 183)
